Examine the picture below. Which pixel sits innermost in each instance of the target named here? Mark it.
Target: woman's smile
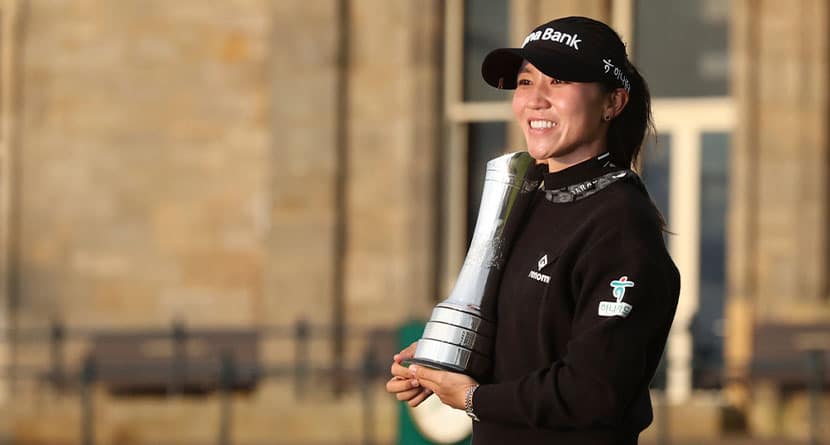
(541, 124)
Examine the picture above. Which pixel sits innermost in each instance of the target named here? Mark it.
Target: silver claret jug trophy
(458, 337)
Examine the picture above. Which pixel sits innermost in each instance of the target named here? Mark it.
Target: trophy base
(436, 365)
(448, 357)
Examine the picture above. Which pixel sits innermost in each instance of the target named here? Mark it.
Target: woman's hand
(402, 384)
(450, 387)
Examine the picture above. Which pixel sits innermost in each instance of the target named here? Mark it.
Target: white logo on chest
(540, 265)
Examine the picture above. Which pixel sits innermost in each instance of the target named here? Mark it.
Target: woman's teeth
(542, 124)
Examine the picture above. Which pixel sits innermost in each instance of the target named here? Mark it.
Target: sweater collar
(583, 171)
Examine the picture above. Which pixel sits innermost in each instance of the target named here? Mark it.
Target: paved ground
(729, 441)
(725, 441)
(722, 441)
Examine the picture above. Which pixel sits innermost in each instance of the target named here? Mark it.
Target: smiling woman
(587, 295)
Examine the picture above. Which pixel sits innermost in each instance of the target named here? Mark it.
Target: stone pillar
(366, 121)
(304, 76)
(394, 119)
(778, 237)
(9, 63)
(791, 117)
(742, 223)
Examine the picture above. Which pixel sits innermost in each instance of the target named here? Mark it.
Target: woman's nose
(538, 99)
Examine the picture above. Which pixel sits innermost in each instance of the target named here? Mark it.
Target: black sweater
(583, 310)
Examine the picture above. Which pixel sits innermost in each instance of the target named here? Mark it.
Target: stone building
(250, 163)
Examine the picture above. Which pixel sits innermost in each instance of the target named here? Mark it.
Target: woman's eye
(557, 81)
(523, 82)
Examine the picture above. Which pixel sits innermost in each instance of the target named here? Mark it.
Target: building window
(681, 46)
(682, 49)
(485, 28)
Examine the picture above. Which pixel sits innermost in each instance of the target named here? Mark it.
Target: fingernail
(415, 383)
(413, 369)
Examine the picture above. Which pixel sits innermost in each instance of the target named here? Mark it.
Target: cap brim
(501, 66)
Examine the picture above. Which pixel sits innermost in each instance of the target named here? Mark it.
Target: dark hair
(628, 130)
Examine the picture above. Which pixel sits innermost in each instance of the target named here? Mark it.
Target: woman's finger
(423, 373)
(409, 394)
(395, 385)
(415, 401)
(430, 386)
(406, 353)
(399, 370)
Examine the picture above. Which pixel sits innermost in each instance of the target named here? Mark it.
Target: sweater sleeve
(626, 291)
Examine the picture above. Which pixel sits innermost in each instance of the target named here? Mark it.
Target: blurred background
(219, 220)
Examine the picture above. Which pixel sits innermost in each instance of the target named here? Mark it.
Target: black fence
(181, 360)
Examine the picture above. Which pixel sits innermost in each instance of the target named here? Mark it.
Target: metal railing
(813, 364)
(84, 374)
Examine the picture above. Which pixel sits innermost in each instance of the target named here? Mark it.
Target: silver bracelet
(468, 403)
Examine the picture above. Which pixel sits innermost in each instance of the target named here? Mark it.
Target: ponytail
(628, 130)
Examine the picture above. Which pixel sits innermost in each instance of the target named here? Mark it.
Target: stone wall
(144, 162)
(778, 236)
(236, 164)
(780, 199)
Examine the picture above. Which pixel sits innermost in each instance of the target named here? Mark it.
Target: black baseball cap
(576, 49)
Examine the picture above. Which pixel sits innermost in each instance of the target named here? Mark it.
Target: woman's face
(562, 121)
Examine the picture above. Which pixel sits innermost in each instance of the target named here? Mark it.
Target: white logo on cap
(617, 73)
(553, 35)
